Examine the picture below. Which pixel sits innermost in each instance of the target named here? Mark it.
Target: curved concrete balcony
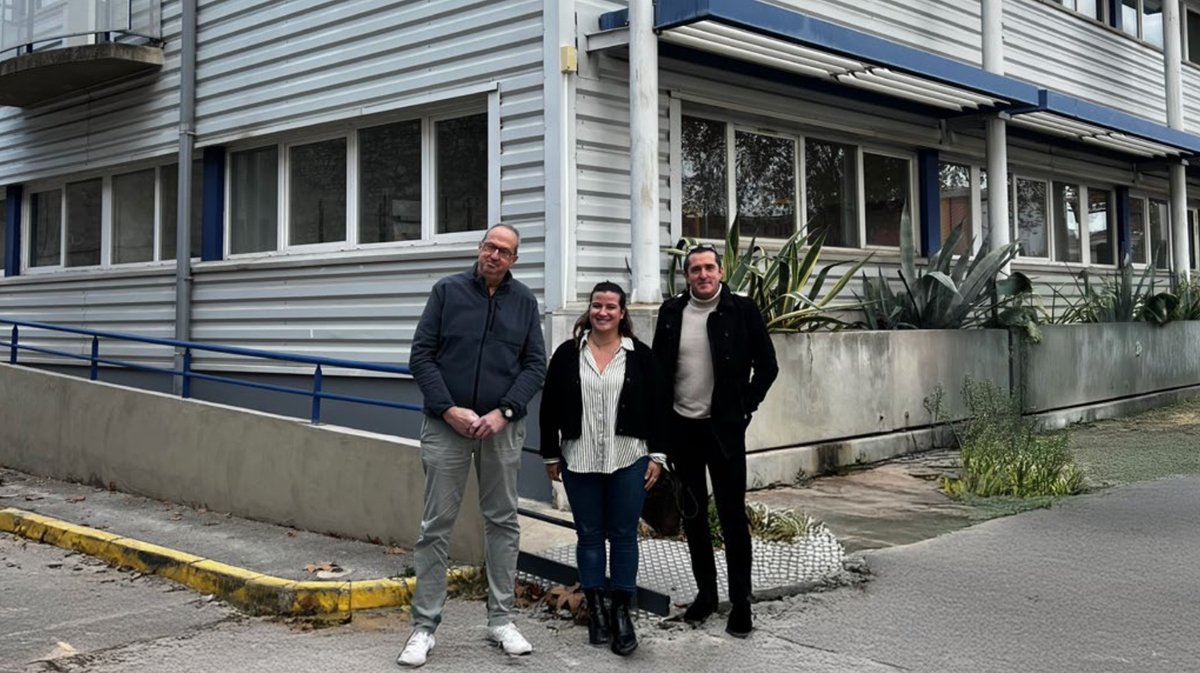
(55, 48)
(31, 79)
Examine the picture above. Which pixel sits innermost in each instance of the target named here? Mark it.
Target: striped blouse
(599, 448)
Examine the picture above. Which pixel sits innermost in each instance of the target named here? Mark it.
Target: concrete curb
(253, 592)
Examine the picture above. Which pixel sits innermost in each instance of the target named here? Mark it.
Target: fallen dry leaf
(394, 551)
(61, 649)
(77, 498)
(328, 566)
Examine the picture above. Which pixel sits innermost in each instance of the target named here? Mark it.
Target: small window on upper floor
(1191, 27)
(1143, 19)
(1094, 9)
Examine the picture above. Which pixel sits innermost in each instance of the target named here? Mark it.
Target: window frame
(107, 220)
(1148, 198)
(799, 137)
(350, 133)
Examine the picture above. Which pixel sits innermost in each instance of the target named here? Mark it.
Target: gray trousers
(446, 457)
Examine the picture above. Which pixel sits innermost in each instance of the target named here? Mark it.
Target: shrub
(775, 525)
(1003, 453)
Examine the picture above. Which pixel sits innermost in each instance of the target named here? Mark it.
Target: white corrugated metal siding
(270, 66)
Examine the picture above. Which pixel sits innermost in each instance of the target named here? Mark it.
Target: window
(704, 177)
(1159, 223)
(1138, 247)
(1192, 27)
(317, 192)
(1143, 19)
(84, 219)
(1102, 227)
(851, 195)
(133, 216)
(45, 228)
(389, 174)
(954, 201)
(461, 184)
(832, 191)
(765, 179)
(1090, 8)
(169, 209)
(1032, 217)
(253, 205)
(1067, 240)
(887, 188)
(1193, 240)
(380, 184)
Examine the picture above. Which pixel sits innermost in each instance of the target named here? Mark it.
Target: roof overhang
(788, 41)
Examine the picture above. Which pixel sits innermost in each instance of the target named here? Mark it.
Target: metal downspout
(187, 138)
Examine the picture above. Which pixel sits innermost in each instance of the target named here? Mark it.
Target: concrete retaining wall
(1078, 365)
(251, 464)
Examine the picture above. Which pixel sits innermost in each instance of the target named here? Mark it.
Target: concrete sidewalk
(275, 570)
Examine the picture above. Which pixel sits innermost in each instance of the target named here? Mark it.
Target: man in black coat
(717, 363)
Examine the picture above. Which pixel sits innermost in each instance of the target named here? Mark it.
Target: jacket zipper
(487, 326)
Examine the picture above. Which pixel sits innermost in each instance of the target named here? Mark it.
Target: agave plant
(1188, 308)
(951, 292)
(1120, 299)
(787, 285)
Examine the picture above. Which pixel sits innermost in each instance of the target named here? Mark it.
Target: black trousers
(697, 449)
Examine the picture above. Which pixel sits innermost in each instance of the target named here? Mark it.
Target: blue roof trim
(614, 20)
(1115, 120)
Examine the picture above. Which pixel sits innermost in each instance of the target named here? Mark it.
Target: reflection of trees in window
(46, 228)
(1032, 217)
(886, 191)
(1067, 244)
(1102, 234)
(954, 191)
(830, 188)
(1137, 231)
(1160, 221)
(317, 197)
(389, 178)
(704, 211)
(461, 182)
(766, 185)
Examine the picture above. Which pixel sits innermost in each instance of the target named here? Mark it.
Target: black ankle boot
(598, 626)
(701, 608)
(624, 640)
(740, 622)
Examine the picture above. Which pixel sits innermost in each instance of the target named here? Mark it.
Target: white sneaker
(416, 650)
(508, 637)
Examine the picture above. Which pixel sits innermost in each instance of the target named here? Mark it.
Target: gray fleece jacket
(478, 351)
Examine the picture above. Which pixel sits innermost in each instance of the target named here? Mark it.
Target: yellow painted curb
(250, 591)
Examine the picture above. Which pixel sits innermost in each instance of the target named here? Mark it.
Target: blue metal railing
(187, 374)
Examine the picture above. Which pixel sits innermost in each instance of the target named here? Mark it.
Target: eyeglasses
(487, 248)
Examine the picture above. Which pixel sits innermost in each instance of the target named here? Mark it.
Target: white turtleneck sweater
(694, 371)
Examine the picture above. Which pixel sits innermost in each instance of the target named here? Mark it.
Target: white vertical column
(643, 153)
(997, 129)
(1172, 60)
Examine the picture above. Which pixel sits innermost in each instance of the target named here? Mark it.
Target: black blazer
(561, 415)
(744, 365)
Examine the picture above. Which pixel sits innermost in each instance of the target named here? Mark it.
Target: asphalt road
(1103, 582)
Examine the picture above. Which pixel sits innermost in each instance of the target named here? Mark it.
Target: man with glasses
(478, 358)
(717, 363)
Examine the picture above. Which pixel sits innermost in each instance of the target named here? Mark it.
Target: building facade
(342, 156)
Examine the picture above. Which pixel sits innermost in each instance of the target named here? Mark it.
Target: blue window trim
(12, 230)
(212, 208)
(929, 198)
(786, 24)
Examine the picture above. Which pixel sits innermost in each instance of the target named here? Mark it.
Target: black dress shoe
(740, 622)
(700, 609)
(598, 627)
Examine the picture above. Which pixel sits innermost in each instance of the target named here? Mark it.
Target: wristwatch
(508, 412)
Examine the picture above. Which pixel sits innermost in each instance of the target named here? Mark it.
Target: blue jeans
(607, 507)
